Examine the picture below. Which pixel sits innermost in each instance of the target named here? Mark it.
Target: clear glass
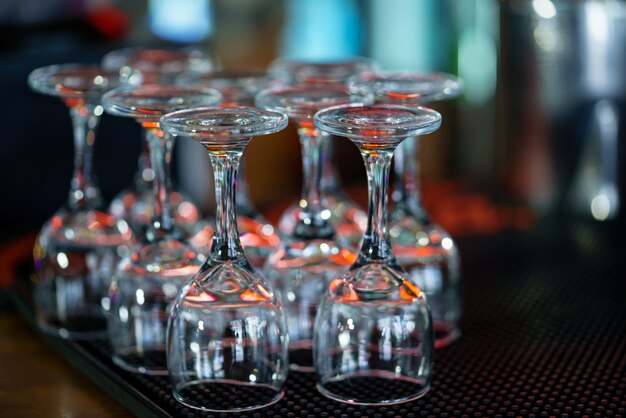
(157, 66)
(312, 254)
(347, 217)
(226, 339)
(238, 88)
(373, 332)
(424, 249)
(78, 248)
(145, 283)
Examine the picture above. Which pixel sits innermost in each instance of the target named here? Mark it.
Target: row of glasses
(423, 248)
(138, 304)
(78, 248)
(311, 253)
(147, 281)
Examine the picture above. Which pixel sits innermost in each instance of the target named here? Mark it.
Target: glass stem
(84, 194)
(226, 245)
(243, 201)
(376, 247)
(312, 223)
(160, 158)
(407, 194)
(145, 174)
(330, 177)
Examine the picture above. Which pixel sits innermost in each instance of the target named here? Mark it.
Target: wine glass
(146, 283)
(423, 248)
(238, 88)
(373, 332)
(226, 337)
(347, 217)
(311, 254)
(78, 247)
(157, 66)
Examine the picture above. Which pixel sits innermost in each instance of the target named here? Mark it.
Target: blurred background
(539, 130)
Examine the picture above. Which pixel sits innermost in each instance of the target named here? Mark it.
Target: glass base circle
(217, 395)
(374, 387)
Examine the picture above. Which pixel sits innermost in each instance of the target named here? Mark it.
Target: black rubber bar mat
(544, 334)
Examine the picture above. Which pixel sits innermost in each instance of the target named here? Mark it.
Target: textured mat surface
(544, 334)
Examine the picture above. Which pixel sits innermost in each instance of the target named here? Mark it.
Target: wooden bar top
(37, 382)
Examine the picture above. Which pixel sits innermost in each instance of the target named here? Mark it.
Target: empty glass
(146, 283)
(227, 338)
(373, 332)
(348, 219)
(238, 88)
(157, 66)
(310, 255)
(77, 249)
(423, 248)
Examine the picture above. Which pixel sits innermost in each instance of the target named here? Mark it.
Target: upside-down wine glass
(227, 337)
(77, 249)
(423, 248)
(311, 255)
(238, 88)
(157, 66)
(373, 333)
(146, 283)
(347, 217)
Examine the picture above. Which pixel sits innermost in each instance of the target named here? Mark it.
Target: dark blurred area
(540, 123)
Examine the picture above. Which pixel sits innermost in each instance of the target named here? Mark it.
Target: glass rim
(142, 105)
(407, 87)
(208, 123)
(41, 80)
(418, 120)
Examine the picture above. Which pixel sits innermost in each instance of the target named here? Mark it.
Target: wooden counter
(36, 382)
